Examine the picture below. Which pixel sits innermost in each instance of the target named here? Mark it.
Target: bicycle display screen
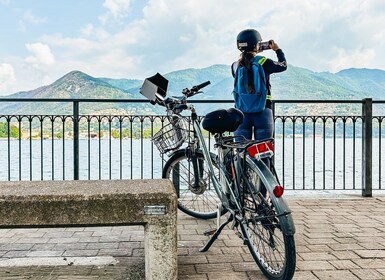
(154, 87)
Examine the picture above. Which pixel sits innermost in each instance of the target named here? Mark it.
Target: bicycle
(235, 181)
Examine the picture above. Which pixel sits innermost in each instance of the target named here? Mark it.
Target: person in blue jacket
(260, 124)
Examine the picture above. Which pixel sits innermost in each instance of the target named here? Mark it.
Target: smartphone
(264, 46)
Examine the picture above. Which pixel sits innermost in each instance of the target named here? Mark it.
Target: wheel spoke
(262, 227)
(198, 199)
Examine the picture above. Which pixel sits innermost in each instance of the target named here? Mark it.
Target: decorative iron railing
(318, 151)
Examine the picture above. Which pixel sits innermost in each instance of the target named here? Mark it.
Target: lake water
(316, 164)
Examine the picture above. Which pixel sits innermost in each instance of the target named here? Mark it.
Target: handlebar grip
(198, 87)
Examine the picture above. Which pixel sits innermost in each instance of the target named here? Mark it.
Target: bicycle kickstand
(215, 234)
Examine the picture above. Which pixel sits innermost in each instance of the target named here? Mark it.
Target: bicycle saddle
(220, 121)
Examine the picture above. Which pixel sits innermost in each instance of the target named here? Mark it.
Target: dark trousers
(260, 125)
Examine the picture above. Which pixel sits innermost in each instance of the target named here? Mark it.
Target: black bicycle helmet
(247, 40)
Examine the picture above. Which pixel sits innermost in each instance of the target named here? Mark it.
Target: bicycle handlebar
(178, 103)
(199, 87)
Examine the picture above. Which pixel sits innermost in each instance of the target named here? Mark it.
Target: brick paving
(336, 239)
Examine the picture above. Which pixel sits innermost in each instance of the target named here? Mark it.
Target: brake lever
(192, 93)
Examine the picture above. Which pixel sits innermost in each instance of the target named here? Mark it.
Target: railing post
(76, 139)
(367, 116)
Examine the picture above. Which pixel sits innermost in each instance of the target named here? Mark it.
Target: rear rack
(229, 142)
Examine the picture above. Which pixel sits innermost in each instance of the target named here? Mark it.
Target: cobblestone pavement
(335, 239)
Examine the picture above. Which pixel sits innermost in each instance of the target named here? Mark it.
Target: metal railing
(313, 152)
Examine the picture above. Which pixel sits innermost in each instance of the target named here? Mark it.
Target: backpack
(244, 100)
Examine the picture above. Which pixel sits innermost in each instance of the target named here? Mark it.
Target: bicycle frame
(266, 176)
(217, 184)
(199, 143)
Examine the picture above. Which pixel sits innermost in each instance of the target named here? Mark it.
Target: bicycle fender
(185, 151)
(188, 153)
(280, 203)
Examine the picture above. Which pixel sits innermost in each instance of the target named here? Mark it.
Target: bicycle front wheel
(197, 199)
(271, 248)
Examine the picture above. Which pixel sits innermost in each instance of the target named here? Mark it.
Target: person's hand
(273, 45)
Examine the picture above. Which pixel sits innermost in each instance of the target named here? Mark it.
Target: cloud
(31, 18)
(351, 59)
(139, 38)
(103, 55)
(41, 55)
(7, 78)
(88, 29)
(170, 35)
(116, 9)
(28, 19)
(319, 35)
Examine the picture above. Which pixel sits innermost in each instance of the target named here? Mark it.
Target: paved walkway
(336, 239)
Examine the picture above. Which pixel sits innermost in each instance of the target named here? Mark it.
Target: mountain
(76, 85)
(123, 84)
(369, 81)
(295, 83)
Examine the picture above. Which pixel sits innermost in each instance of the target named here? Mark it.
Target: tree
(59, 135)
(115, 133)
(13, 130)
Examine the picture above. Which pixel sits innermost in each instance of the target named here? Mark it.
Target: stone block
(150, 203)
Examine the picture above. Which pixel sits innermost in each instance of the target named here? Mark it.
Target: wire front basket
(172, 135)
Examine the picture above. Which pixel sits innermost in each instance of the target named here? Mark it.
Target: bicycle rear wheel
(271, 248)
(197, 200)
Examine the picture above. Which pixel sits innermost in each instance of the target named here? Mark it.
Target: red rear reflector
(261, 150)
(278, 191)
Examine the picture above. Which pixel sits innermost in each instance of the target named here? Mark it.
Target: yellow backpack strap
(262, 60)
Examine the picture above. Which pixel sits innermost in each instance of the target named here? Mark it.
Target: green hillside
(368, 81)
(76, 85)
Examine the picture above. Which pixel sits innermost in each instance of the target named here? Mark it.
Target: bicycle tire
(199, 203)
(271, 248)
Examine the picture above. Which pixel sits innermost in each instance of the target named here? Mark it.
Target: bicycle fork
(198, 169)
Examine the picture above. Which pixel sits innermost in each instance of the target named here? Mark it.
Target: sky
(42, 40)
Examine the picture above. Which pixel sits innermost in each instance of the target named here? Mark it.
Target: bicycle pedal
(209, 232)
